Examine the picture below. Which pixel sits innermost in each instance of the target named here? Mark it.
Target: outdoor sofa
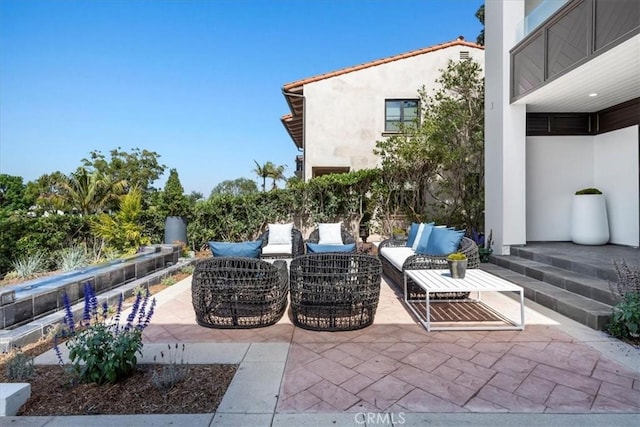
(396, 256)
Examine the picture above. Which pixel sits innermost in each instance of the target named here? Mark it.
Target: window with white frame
(399, 111)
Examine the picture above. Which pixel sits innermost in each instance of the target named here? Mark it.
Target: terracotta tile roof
(457, 42)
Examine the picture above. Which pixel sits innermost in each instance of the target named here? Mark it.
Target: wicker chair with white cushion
(281, 241)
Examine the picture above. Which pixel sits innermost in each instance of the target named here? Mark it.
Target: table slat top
(475, 280)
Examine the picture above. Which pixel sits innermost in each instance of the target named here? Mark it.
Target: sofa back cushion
(314, 248)
(424, 231)
(442, 241)
(330, 233)
(280, 234)
(250, 249)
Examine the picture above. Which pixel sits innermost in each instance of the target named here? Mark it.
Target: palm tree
(90, 192)
(277, 174)
(264, 171)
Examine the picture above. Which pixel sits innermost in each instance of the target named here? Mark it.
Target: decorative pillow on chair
(316, 248)
(411, 236)
(420, 229)
(443, 241)
(330, 234)
(280, 234)
(421, 245)
(250, 249)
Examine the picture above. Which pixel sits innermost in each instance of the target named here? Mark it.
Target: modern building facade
(562, 113)
(337, 117)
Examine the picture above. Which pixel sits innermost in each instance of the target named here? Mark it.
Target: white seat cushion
(276, 249)
(397, 255)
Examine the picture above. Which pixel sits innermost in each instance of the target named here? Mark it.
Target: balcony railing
(573, 35)
(537, 16)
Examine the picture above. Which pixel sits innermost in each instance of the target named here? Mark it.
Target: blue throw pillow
(421, 247)
(443, 241)
(316, 248)
(413, 230)
(249, 249)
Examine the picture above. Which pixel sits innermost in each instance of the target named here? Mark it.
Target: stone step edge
(567, 263)
(583, 310)
(577, 283)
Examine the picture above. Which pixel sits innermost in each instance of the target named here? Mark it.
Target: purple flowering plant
(101, 349)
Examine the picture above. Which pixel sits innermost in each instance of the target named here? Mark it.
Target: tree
(263, 171)
(12, 193)
(45, 192)
(122, 231)
(174, 202)
(236, 187)
(88, 192)
(435, 169)
(480, 16)
(277, 174)
(139, 168)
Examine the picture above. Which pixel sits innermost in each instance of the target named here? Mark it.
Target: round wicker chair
(334, 291)
(236, 293)
(297, 243)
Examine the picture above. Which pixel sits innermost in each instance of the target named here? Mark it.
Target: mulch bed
(200, 392)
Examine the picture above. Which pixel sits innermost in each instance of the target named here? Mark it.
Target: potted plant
(399, 233)
(589, 222)
(485, 250)
(457, 265)
(176, 207)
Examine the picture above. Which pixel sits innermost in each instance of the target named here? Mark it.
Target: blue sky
(198, 82)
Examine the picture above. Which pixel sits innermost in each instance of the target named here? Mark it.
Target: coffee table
(476, 282)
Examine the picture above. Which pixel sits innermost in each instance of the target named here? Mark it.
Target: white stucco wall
(344, 115)
(557, 166)
(505, 148)
(616, 174)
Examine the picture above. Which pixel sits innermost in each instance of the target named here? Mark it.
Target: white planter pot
(589, 222)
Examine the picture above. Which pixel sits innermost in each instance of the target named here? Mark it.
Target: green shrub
(588, 191)
(72, 258)
(101, 349)
(28, 265)
(456, 256)
(168, 281)
(167, 375)
(625, 320)
(188, 269)
(20, 366)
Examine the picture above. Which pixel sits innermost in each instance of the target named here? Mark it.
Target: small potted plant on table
(457, 265)
(399, 233)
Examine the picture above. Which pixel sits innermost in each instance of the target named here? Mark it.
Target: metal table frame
(475, 281)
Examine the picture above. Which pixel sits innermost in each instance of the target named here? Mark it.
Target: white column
(505, 131)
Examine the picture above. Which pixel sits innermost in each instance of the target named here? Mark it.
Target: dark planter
(457, 269)
(175, 230)
(484, 254)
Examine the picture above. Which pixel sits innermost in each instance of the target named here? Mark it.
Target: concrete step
(586, 311)
(584, 264)
(586, 285)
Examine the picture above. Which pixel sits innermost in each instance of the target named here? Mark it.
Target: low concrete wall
(26, 319)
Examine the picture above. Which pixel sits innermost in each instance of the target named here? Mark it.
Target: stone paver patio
(396, 366)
